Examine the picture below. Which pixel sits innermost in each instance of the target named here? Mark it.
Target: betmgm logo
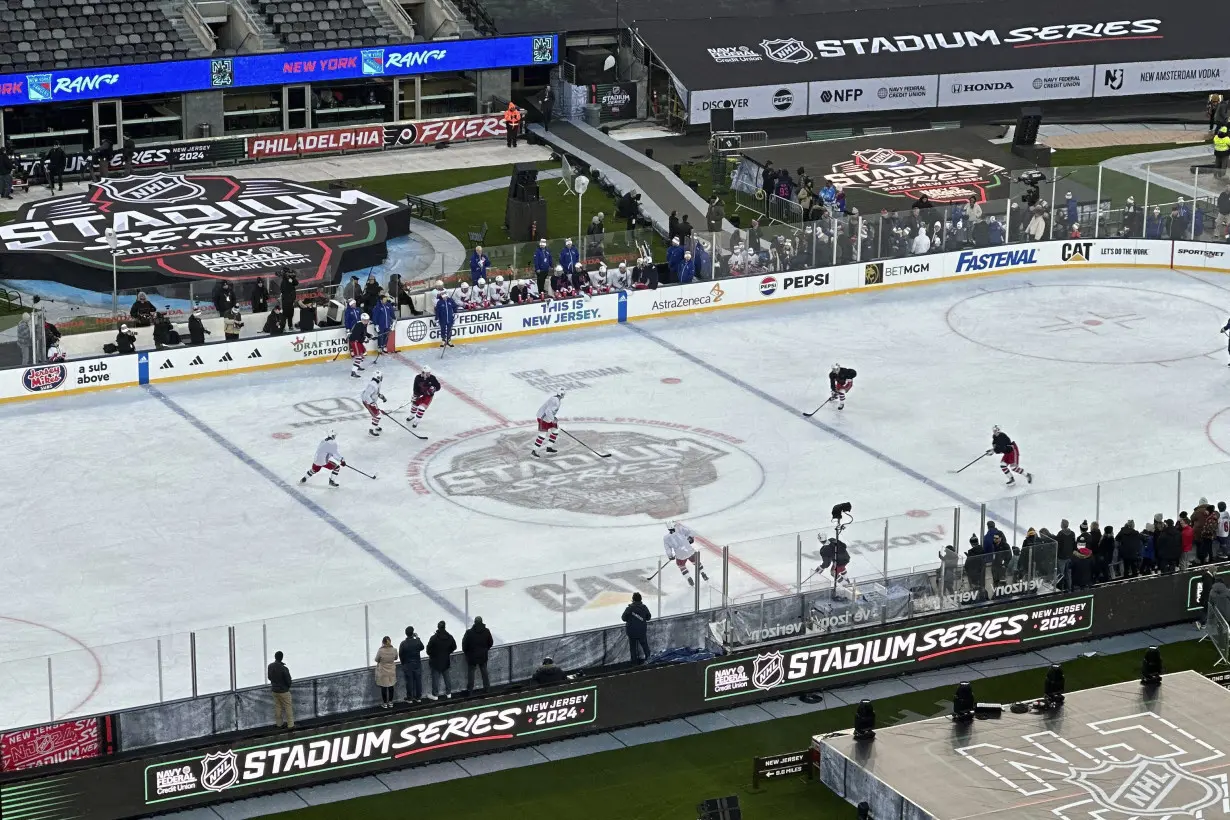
(1136, 766)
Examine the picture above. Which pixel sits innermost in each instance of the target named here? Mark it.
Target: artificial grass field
(666, 780)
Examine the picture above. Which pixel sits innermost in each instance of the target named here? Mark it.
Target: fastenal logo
(656, 472)
(786, 51)
(768, 670)
(906, 174)
(768, 286)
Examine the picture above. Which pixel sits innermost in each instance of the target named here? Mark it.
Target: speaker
(721, 119)
(523, 184)
(521, 219)
(720, 808)
(1027, 126)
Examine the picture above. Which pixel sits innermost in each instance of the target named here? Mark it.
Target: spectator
(307, 315)
(353, 291)
(1033, 551)
(1132, 217)
(685, 230)
(543, 263)
(1105, 556)
(988, 538)
(440, 649)
(1130, 545)
(1187, 539)
(1072, 210)
(828, 193)
(594, 234)
(922, 243)
(995, 231)
(410, 653)
(628, 208)
(142, 311)
(715, 214)
(1036, 229)
(1148, 551)
(1222, 548)
(287, 288)
(371, 295)
(975, 569)
(768, 178)
(275, 322)
(232, 324)
(1168, 544)
(549, 673)
(1155, 225)
(162, 331)
(25, 339)
(636, 619)
(224, 297)
(1065, 545)
(949, 561)
(784, 189)
(1210, 109)
(476, 644)
(479, 263)
(126, 340)
(386, 672)
(260, 296)
(279, 687)
(839, 200)
(1000, 559)
(1082, 568)
(196, 328)
(1204, 526)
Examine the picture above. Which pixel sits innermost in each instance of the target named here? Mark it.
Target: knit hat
(1203, 501)
(1131, 524)
(1084, 526)
(1031, 531)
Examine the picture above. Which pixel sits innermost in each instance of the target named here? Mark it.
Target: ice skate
(354, 374)
(535, 454)
(374, 431)
(1029, 478)
(552, 450)
(691, 583)
(703, 575)
(333, 483)
(303, 480)
(1011, 481)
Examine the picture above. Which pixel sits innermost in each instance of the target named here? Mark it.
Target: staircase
(191, 28)
(245, 16)
(392, 22)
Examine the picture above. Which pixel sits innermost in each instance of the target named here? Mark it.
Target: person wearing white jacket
(921, 243)
(1037, 226)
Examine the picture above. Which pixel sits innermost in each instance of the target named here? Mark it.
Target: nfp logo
(42, 379)
(768, 286)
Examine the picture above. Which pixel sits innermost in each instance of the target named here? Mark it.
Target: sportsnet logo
(43, 379)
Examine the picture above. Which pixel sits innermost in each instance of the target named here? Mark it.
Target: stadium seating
(42, 35)
(308, 24)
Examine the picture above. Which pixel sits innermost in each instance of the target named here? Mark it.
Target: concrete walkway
(486, 186)
(1173, 169)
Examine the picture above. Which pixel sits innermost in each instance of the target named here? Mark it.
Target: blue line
(776, 402)
(317, 510)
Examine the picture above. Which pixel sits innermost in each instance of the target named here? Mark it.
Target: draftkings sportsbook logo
(207, 227)
(1135, 766)
(907, 174)
(373, 745)
(841, 658)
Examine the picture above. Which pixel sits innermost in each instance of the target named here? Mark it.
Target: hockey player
(561, 285)
(358, 345)
(835, 554)
(618, 279)
(598, 280)
(1006, 447)
(841, 380)
(1224, 329)
(498, 292)
(579, 282)
(548, 427)
(329, 457)
(463, 297)
(446, 314)
(372, 394)
(426, 386)
(678, 542)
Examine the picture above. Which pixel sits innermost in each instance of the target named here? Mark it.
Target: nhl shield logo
(882, 157)
(219, 771)
(1147, 787)
(151, 189)
(768, 670)
(786, 51)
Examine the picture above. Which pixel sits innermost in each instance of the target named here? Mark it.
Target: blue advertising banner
(277, 69)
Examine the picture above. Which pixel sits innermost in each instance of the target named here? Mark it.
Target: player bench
(426, 209)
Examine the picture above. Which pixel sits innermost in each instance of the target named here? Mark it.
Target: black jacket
(196, 331)
(224, 298)
(125, 342)
(1065, 540)
(476, 643)
(1082, 571)
(975, 563)
(57, 159)
(307, 318)
(279, 677)
(142, 311)
(636, 617)
(371, 295)
(1168, 546)
(410, 651)
(548, 674)
(1129, 544)
(260, 296)
(439, 649)
(288, 286)
(162, 332)
(275, 323)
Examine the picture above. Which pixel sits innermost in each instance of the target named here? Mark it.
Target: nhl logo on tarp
(768, 670)
(1147, 787)
(881, 157)
(219, 771)
(150, 189)
(786, 51)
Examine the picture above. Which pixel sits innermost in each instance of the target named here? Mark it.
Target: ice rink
(146, 512)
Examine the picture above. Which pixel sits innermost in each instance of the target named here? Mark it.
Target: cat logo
(873, 274)
(1077, 251)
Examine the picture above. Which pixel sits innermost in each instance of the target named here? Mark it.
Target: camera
(841, 509)
(1031, 180)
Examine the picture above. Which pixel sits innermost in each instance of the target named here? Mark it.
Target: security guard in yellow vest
(1221, 150)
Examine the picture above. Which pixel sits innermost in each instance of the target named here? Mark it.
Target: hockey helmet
(671, 526)
(330, 434)
(439, 283)
(499, 279)
(995, 430)
(559, 394)
(559, 268)
(377, 376)
(482, 283)
(465, 287)
(365, 318)
(426, 371)
(623, 265)
(578, 266)
(836, 367)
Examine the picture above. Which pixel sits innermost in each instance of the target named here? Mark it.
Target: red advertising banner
(453, 129)
(55, 743)
(315, 142)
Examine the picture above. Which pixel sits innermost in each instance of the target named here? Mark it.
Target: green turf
(1096, 156)
(667, 780)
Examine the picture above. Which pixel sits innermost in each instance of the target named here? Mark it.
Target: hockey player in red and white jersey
(497, 292)
(841, 382)
(463, 297)
(618, 278)
(561, 284)
(598, 280)
(372, 394)
(357, 340)
(482, 294)
(328, 457)
(425, 388)
(579, 280)
(1004, 446)
(678, 542)
(548, 427)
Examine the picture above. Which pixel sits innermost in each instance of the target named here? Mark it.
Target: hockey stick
(971, 464)
(817, 410)
(402, 426)
(583, 444)
(659, 569)
(360, 472)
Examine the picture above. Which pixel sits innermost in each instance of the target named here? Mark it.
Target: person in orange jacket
(512, 124)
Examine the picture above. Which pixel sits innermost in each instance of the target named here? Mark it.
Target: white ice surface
(138, 513)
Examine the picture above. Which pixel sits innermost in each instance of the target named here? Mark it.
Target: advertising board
(512, 320)
(73, 376)
(245, 71)
(1019, 85)
(872, 94)
(1161, 77)
(1201, 255)
(750, 103)
(450, 129)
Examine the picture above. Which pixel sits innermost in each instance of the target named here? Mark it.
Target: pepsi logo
(768, 286)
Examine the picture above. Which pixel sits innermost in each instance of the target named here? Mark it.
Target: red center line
(746, 567)
(461, 394)
(1091, 40)
(454, 743)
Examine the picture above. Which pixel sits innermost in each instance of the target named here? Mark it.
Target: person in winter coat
(568, 256)
(260, 296)
(275, 322)
(371, 295)
(1148, 550)
(672, 226)
(231, 325)
(948, 568)
(995, 231)
(922, 243)
(57, 160)
(479, 263)
(1155, 224)
(703, 261)
(279, 686)
(440, 648)
(549, 674)
(1168, 544)
(1082, 568)
(142, 311)
(1130, 546)
(1001, 557)
(224, 297)
(162, 330)
(636, 624)
(1065, 545)
(1034, 550)
(543, 264)
(1204, 527)
(687, 270)
(410, 653)
(125, 340)
(386, 672)
(1106, 555)
(1071, 210)
(975, 568)
(25, 339)
(1036, 229)
(384, 316)
(685, 230)
(350, 316)
(1187, 539)
(196, 328)
(476, 645)
(715, 214)
(674, 258)
(1132, 218)
(353, 291)
(307, 315)
(287, 287)
(446, 314)
(1221, 542)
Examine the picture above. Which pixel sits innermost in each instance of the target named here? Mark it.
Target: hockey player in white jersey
(597, 280)
(328, 456)
(372, 394)
(497, 292)
(463, 298)
(548, 427)
(678, 542)
(619, 278)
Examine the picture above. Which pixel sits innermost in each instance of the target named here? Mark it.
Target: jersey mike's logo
(908, 174)
(42, 379)
(174, 226)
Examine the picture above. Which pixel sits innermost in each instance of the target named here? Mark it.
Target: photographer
(142, 311)
(125, 340)
(275, 322)
(196, 328)
(163, 331)
(231, 324)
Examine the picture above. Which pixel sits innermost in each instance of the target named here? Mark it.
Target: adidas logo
(255, 354)
(226, 357)
(195, 362)
(166, 365)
